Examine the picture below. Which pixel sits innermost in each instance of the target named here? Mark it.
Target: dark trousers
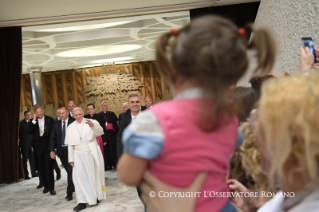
(56, 167)
(110, 158)
(45, 163)
(27, 154)
(68, 169)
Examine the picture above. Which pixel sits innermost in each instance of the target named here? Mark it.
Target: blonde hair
(250, 158)
(289, 117)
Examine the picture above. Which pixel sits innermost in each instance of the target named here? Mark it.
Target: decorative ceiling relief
(92, 43)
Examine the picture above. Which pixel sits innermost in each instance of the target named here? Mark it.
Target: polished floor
(24, 197)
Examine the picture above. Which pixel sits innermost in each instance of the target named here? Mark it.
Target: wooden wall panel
(54, 90)
(61, 86)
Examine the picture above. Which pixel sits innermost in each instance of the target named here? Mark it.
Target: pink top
(188, 150)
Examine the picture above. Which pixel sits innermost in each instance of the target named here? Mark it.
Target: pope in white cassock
(86, 158)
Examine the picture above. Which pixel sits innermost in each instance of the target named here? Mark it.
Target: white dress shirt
(133, 117)
(66, 124)
(41, 125)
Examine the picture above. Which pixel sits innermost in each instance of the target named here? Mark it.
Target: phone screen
(308, 42)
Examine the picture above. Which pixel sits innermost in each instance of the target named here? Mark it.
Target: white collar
(41, 119)
(134, 116)
(192, 93)
(66, 120)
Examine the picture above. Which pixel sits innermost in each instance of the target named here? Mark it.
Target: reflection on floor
(24, 197)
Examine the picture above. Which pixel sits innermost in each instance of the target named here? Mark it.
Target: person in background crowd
(134, 103)
(246, 99)
(124, 108)
(57, 146)
(71, 106)
(86, 158)
(26, 144)
(200, 73)
(306, 60)
(41, 129)
(90, 108)
(128, 111)
(110, 122)
(57, 118)
(148, 102)
(288, 141)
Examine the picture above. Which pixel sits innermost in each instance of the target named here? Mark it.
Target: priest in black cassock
(90, 110)
(110, 137)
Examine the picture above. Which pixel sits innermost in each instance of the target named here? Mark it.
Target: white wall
(289, 20)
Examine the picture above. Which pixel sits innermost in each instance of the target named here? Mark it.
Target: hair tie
(242, 32)
(174, 32)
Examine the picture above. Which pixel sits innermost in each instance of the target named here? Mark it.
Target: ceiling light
(99, 50)
(112, 60)
(86, 27)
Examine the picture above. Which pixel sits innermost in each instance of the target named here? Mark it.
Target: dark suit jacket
(34, 130)
(125, 121)
(98, 118)
(25, 139)
(121, 116)
(70, 117)
(56, 136)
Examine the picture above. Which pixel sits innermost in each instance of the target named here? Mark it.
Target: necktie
(63, 133)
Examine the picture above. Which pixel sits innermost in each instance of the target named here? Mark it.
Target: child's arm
(143, 141)
(130, 169)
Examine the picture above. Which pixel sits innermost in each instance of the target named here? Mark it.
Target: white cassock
(88, 170)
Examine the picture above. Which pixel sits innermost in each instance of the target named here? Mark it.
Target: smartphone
(308, 42)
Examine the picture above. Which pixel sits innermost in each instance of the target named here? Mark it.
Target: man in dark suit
(124, 108)
(109, 137)
(71, 106)
(26, 146)
(41, 129)
(134, 103)
(90, 109)
(57, 118)
(57, 142)
(128, 111)
(148, 102)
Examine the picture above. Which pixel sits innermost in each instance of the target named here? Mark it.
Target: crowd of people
(212, 137)
(90, 141)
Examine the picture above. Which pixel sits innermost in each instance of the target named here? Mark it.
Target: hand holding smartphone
(308, 42)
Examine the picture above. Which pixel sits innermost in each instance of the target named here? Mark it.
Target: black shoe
(80, 206)
(27, 178)
(97, 201)
(52, 192)
(46, 190)
(58, 176)
(39, 186)
(35, 174)
(69, 197)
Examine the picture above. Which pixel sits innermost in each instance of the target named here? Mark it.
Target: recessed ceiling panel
(98, 50)
(54, 48)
